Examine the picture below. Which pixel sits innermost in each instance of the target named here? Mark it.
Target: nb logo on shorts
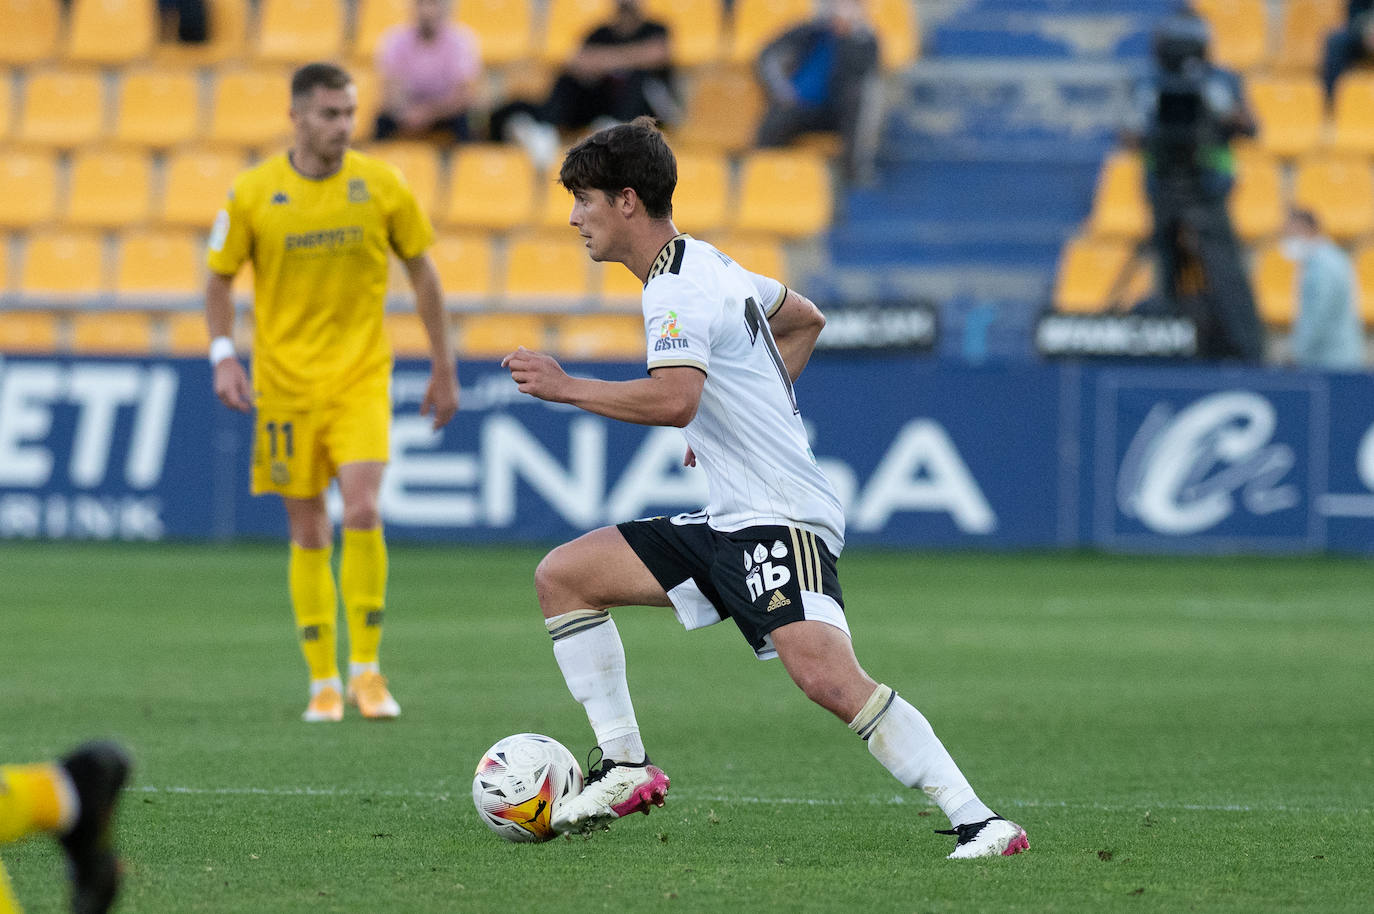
(762, 575)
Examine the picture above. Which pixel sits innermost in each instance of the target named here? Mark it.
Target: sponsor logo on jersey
(279, 198)
(326, 240)
(280, 474)
(670, 334)
(357, 191)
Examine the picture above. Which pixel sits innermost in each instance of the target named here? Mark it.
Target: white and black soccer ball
(520, 781)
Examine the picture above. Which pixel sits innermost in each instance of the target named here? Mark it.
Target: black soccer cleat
(97, 772)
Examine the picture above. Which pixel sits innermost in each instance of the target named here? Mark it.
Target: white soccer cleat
(616, 789)
(995, 837)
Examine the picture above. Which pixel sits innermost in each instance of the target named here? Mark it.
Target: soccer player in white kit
(724, 346)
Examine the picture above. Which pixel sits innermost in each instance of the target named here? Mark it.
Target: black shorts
(762, 577)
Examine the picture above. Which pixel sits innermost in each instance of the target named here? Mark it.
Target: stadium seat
(757, 22)
(783, 192)
(899, 32)
(1353, 114)
(464, 264)
(28, 185)
(419, 163)
(369, 89)
(490, 187)
(373, 19)
(195, 185)
(1120, 209)
(407, 333)
(299, 31)
(1303, 27)
(1364, 273)
(111, 32)
(109, 188)
(62, 108)
(1089, 272)
(567, 23)
(1290, 111)
(1240, 31)
(228, 39)
(504, 27)
(62, 264)
(249, 109)
(493, 336)
(1274, 282)
(29, 331)
(617, 288)
(185, 333)
(159, 263)
(7, 105)
(1340, 190)
(30, 32)
(756, 253)
(702, 200)
(157, 108)
(542, 272)
(724, 107)
(1257, 200)
(695, 28)
(112, 332)
(600, 336)
(4, 263)
(554, 208)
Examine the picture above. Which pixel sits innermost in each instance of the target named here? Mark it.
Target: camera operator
(1188, 111)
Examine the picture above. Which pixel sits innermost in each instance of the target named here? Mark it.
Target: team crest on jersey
(279, 198)
(280, 474)
(357, 191)
(670, 334)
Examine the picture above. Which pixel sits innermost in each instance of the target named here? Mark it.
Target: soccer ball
(520, 781)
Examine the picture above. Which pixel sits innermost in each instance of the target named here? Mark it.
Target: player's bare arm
(230, 379)
(669, 396)
(441, 395)
(796, 325)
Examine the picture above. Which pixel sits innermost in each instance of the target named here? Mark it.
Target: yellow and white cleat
(369, 692)
(326, 705)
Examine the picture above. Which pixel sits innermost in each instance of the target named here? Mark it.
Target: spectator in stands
(187, 18)
(1349, 45)
(621, 71)
(1327, 334)
(823, 75)
(431, 71)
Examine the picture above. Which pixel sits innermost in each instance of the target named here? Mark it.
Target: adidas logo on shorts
(778, 601)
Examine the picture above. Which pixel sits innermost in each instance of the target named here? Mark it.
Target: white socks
(357, 669)
(319, 685)
(587, 646)
(901, 738)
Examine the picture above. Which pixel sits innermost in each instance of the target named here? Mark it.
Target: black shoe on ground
(97, 772)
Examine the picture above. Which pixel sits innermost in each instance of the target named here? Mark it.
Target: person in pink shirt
(430, 73)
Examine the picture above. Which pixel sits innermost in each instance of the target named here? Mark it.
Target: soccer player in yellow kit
(317, 223)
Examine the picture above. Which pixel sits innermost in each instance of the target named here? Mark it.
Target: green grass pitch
(1174, 734)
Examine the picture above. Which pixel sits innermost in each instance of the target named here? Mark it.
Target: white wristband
(221, 348)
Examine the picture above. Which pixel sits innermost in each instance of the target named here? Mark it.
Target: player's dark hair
(627, 155)
(326, 75)
(1305, 217)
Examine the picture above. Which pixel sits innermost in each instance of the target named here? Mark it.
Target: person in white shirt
(1327, 334)
(724, 347)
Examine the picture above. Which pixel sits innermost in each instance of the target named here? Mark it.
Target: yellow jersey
(319, 254)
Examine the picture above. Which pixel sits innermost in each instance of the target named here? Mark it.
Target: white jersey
(704, 310)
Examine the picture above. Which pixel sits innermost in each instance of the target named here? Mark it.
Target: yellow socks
(34, 798)
(362, 578)
(316, 605)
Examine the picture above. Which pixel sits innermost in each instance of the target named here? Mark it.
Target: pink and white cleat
(614, 790)
(995, 837)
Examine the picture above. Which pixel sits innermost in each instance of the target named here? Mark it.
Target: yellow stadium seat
(464, 264)
(493, 336)
(369, 90)
(1240, 31)
(554, 208)
(195, 185)
(62, 108)
(504, 27)
(761, 254)
(1257, 200)
(489, 187)
(299, 31)
(1120, 209)
(29, 331)
(898, 30)
(783, 192)
(111, 32)
(567, 23)
(702, 200)
(1303, 27)
(541, 271)
(1364, 273)
(228, 39)
(724, 107)
(600, 336)
(1340, 190)
(30, 32)
(1353, 114)
(157, 108)
(250, 109)
(1274, 281)
(186, 334)
(1291, 113)
(696, 29)
(63, 264)
(407, 333)
(112, 332)
(7, 103)
(617, 288)
(374, 18)
(4, 263)
(109, 188)
(419, 163)
(159, 263)
(757, 22)
(1089, 270)
(28, 187)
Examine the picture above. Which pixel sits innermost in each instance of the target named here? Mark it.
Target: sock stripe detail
(575, 622)
(873, 711)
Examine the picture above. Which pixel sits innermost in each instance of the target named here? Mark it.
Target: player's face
(324, 121)
(599, 222)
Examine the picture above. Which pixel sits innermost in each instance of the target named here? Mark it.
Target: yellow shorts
(296, 452)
